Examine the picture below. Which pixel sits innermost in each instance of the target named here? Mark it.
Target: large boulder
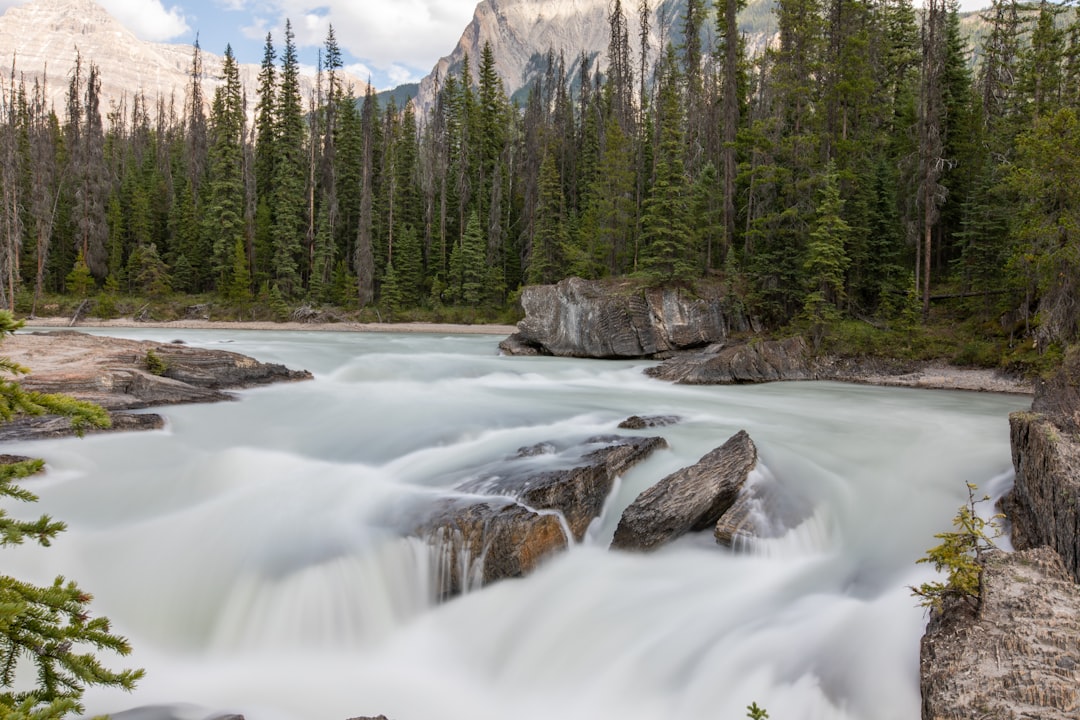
(691, 499)
(1018, 657)
(582, 318)
(513, 514)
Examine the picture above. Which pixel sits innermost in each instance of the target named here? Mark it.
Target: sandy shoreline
(437, 328)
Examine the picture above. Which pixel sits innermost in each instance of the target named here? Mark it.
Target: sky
(389, 41)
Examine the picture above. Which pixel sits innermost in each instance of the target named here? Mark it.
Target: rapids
(253, 552)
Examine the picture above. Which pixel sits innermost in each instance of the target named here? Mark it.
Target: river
(251, 555)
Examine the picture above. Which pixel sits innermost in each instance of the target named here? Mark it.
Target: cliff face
(1044, 504)
(521, 32)
(580, 318)
(1019, 656)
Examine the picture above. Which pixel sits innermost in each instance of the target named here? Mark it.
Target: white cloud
(148, 19)
(402, 39)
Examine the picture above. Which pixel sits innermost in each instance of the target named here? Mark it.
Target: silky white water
(254, 553)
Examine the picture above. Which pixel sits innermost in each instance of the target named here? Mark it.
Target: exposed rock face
(1044, 504)
(113, 373)
(688, 500)
(581, 318)
(521, 32)
(737, 363)
(49, 32)
(513, 515)
(26, 427)
(1019, 657)
(758, 361)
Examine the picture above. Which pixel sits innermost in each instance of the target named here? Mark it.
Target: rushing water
(253, 552)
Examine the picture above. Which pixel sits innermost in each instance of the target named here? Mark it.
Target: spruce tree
(549, 243)
(48, 628)
(826, 263)
(223, 213)
(666, 240)
(289, 203)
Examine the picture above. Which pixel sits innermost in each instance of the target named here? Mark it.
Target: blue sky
(390, 41)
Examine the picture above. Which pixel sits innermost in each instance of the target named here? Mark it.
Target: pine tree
(289, 173)
(223, 213)
(1047, 228)
(826, 261)
(549, 243)
(48, 628)
(666, 241)
(468, 266)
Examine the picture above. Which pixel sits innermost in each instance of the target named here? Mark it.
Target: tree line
(862, 159)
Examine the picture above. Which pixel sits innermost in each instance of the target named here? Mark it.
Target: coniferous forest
(868, 167)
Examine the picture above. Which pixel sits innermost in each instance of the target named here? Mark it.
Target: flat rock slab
(1019, 657)
(513, 514)
(691, 499)
(114, 373)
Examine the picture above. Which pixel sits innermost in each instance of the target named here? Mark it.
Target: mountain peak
(43, 38)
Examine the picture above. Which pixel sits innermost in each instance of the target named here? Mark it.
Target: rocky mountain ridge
(43, 38)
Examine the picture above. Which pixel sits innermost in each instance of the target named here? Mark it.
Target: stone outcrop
(1018, 657)
(759, 361)
(740, 362)
(1044, 504)
(691, 499)
(116, 374)
(514, 514)
(582, 318)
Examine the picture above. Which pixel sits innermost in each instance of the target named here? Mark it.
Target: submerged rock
(583, 318)
(691, 499)
(516, 513)
(1018, 657)
(636, 422)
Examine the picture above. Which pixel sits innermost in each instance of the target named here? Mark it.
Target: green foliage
(48, 627)
(148, 272)
(79, 281)
(959, 555)
(756, 713)
(154, 364)
(277, 304)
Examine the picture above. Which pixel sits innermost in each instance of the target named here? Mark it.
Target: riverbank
(418, 327)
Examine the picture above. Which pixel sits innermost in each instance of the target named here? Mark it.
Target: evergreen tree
(826, 259)
(47, 628)
(547, 262)
(223, 214)
(468, 266)
(1047, 228)
(289, 173)
(666, 241)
